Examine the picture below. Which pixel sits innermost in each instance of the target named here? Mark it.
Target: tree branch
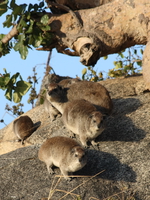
(10, 35)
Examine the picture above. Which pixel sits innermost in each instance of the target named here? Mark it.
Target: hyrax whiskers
(23, 127)
(82, 118)
(64, 153)
(95, 93)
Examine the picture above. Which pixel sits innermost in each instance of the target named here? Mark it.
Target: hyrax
(49, 108)
(64, 153)
(95, 93)
(23, 127)
(82, 118)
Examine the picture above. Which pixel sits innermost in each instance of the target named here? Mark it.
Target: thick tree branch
(10, 35)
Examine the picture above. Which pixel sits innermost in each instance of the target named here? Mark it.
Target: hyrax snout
(23, 127)
(82, 118)
(64, 153)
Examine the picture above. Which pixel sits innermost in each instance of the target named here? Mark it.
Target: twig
(82, 184)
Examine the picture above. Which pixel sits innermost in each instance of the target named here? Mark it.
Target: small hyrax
(23, 127)
(93, 92)
(82, 118)
(64, 153)
(49, 108)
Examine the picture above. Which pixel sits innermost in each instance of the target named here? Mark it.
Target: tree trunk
(107, 29)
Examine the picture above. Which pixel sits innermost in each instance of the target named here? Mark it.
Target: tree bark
(99, 31)
(105, 30)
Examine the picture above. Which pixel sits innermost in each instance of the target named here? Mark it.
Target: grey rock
(122, 155)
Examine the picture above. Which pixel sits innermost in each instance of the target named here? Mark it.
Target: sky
(63, 65)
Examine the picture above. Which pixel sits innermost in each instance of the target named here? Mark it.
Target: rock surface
(119, 165)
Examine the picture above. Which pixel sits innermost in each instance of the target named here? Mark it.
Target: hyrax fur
(64, 153)
(82, 118)
(23, 127)
(49, 108)
(95, 93)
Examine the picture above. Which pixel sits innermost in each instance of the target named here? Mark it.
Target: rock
(120, 164)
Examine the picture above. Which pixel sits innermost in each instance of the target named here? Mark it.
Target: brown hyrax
(49, 108)
(93, 92)
(67, 82)
(82, 118)
(23, 127)
(64, 153)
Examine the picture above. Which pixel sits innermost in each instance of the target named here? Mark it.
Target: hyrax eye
(76, 155)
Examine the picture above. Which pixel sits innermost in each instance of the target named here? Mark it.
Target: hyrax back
(95, 93)
(64, 153)
(82, 118)
(23, 127)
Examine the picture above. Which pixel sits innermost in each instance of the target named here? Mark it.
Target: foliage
(16, 109)
(33, 80)
(127, 63)
(32, 27)
(90, 74)
(15, 88)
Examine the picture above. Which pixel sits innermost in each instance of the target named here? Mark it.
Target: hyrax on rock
(64, 153)
(49, 108)
(82, 118)
(93, 92)
(23, 127)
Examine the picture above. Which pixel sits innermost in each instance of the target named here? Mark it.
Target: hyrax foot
(50, 170)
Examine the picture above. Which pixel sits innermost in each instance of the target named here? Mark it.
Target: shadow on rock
(114, 169)
(118, 126)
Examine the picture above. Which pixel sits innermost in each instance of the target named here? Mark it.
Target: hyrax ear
(72, 151)
(91, 115)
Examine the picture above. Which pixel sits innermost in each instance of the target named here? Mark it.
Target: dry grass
(123, 195)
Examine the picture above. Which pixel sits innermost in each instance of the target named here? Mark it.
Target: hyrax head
(96, 125)
(78, 158)
(55, 91)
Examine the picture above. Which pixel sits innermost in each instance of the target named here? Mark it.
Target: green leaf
(105, 57)
(139, 63)
(16, 97)
(5, 70)
(30, 28)
(84, 71)
(30, 7)
(141, 50)
(41, 4)
(12, 4)
(23, 52)
(14, 78)
(135, 51)
(44, 19)
(8, 94)
(8, 21)
(3, 7)
(22, 87)
(121, 54)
